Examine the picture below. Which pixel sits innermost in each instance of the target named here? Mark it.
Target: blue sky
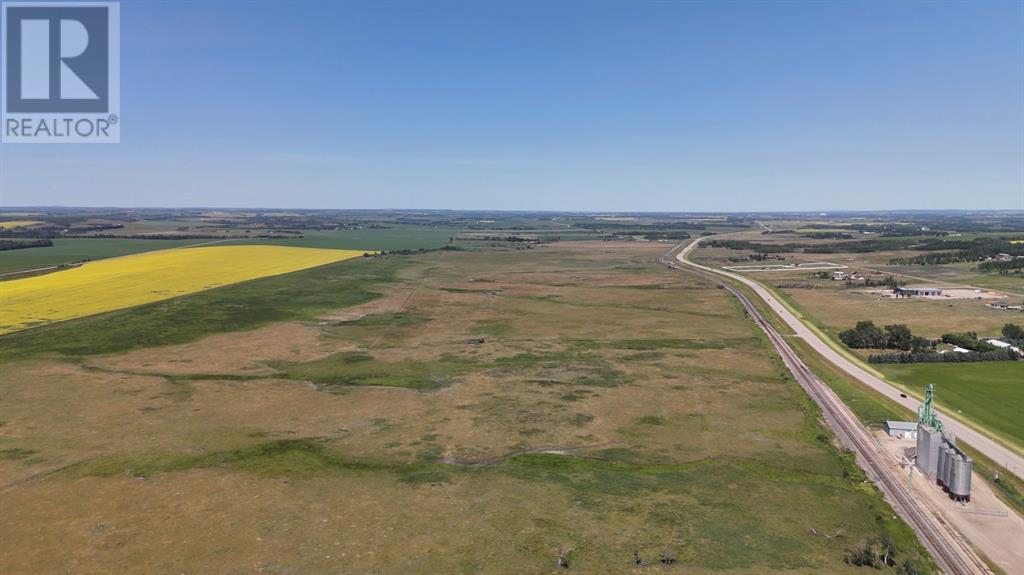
(617, 106)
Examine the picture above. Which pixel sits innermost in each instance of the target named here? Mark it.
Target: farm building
(916, 291)
(901, 429)
(1003, 345)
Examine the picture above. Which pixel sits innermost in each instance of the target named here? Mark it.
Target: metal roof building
(917, 291)
(901, 429)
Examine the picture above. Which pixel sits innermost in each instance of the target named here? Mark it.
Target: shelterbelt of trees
(945, 250)
(20, 244)
(917, 349)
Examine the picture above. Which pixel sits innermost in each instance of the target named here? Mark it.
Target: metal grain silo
(956, 481)
(951, 467)
(945, 474)
(960, 489)
(940, 467)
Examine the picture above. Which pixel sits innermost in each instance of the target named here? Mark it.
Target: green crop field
(68, 250)
(991, 393)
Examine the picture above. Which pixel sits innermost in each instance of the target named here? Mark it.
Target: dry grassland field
(462, 412)
(116, 283)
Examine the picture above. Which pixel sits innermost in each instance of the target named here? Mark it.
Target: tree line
(23, 244)
(1014, 266)
(1005, 354)
(866, 335)
(965, 251)
(917, 349)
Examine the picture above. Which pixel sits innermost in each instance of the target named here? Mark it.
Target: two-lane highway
(1010, 458)
(945, 543)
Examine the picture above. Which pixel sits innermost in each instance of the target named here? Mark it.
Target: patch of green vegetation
(576, 395)
(572, 367)
(430, 453)
(293, 458)
(648, 286)
(655, 420)
(389, 319)
(676, 343)
(336, 372)
(580, 419)
(491, 327)
(296, 296)
(644, 356)
(15, 453)
(466, 290)
(425, 477)
(697, 503)
(986, 392)
(530, 359)
(381, 424)
(600, 376)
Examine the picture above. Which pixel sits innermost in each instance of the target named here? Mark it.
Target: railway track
(948, 547)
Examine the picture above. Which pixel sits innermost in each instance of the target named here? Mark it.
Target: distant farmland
(19, 223)
(70, 250)
(394, 238)
(111, 284)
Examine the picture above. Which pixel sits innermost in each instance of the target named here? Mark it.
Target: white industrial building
(901, 429)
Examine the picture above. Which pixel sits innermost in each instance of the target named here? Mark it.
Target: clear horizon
(598, 107)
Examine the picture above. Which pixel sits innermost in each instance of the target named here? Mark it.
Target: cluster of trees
(858, 246)
(1005, 354)
(945, 250)
(827, 235)
(866, 335)
(889, 230)
(890, 282)
(512, 239)
(754, 246)
(1013, 333)
(22, 244)
(979, 350)
(1014, 266)
(666, 236)
(636, 227)
(880, 552)
(965, 251)
(967, 340)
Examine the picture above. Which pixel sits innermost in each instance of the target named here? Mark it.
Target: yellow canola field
(128, 281)
(19, 223)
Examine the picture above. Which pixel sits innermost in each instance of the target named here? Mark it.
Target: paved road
(1009, 458)
(943, 540)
